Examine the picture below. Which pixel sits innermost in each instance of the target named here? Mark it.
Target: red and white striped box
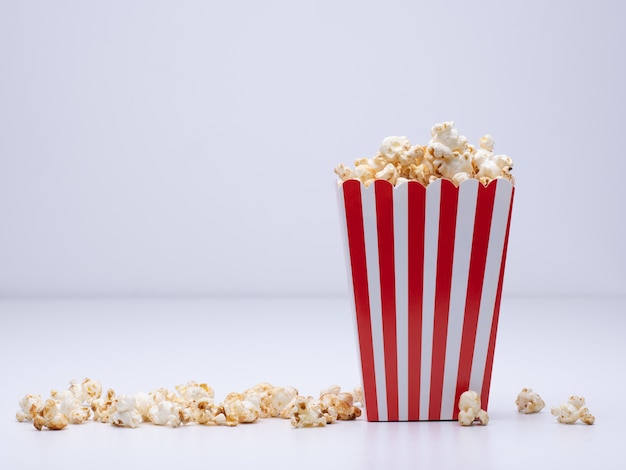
(426, 266)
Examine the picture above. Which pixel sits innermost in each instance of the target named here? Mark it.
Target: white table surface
(557, 346)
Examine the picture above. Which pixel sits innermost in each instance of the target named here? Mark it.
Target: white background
(155, 151)
(187, 148)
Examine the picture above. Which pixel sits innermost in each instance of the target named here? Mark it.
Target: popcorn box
(425, 266)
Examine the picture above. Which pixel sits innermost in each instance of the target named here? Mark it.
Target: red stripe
(417, 222)
(496, 314)
(356, 246)
(384, 225)
(445, 255)
(478, 260)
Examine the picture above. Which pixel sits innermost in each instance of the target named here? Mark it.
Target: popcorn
(448, 155)
(393, 148)
(278, 399)
(340, 402)
(101, 407)
(529, 402)
(486, 142)
(573, 411)
(456, 166)
(389, 173)
(239, 410)
(306, 412)
(86, 391)
(205, 411)
(269, 400)
(332, 405)
(125, 413)
(358, 395)
(469, 409)
(30, 406)
(143, 403)
(344, 172)
(163, 394)
(50, 416)
(366, 172)
(193, 404)
(71, 406)
(165, 413)
(194, 391)
(447, 135)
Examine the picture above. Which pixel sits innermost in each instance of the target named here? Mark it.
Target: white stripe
(344, 236)
(401, 256)
(373, 277)
(466, 214)
(497, 235)
(431, 237)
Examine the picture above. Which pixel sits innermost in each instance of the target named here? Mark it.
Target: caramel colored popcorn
(448, 155)
(71, 405)
(86, 391)
(101, 407)
(204, 411)
(63, 407)
(573, 411)
(529, 402)
(239, 410)
(193, 403)
(194, 391)
(341, 402)
(50, 417)
(469, 409)
(30, 406)
(306, 412)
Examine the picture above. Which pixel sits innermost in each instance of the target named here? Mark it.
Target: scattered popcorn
(194, 391)
(71, 405)
(143, 403)
(239, 410)
(50, 417)
(192, 404)
(165, 413)
(573, 411)
(448, 155)
(340, 402)
(270, 400)
(125, 413)
(101, 407)
(307, 412)
(358, 395)
(163, 394)
(206, 412)
(86, 391)
(278, 400)
(529, 402)
(469, 409)
(30, 406)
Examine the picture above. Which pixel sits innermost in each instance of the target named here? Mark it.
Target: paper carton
(425, 266)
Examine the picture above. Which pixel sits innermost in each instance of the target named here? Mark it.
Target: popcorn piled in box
(191, 403)
(448, 155)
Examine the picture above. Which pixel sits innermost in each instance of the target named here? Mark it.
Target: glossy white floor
(557, 346)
